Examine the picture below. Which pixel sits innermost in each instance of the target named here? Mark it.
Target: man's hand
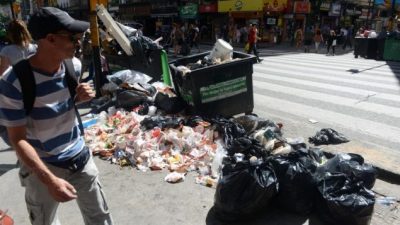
(61, 190)
(84, 92)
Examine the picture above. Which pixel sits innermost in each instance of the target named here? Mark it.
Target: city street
(305, 92)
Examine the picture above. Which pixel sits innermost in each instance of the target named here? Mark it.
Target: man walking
(56, 166)
(252, 40)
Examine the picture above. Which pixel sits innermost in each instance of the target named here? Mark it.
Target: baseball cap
(50, 20)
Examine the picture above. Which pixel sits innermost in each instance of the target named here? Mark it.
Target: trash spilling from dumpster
(196, 127)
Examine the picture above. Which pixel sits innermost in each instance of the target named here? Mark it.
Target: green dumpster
(392, 49)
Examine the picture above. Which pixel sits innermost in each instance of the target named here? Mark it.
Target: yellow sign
(240, 5)
(275, 5)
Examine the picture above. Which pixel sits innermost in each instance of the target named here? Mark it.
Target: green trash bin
(392, 49)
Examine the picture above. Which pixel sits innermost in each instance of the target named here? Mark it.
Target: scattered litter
(328, 136)
(175, 177)
(386, 200)
(312, 121)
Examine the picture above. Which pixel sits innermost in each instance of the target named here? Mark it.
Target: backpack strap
(23, 71)
(72, 83)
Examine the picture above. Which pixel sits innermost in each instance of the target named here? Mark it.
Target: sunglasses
(72, 37)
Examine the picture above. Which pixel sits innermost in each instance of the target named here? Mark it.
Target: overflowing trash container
(223, 89)
(366, 47)
(153, 67)
(392, 49)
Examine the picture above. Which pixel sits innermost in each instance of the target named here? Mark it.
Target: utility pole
(94, 32)
(12, 9)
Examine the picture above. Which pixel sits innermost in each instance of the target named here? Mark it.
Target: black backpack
(23, 71)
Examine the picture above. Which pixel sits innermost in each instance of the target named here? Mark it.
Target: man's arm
(4, 64)
(60, 189)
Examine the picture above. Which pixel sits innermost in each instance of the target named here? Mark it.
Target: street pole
(94, 32)
(12, 9)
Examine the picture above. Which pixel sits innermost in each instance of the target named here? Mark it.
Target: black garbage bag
(128, 99)
(196, 120)
(161, 122)
(170, 105)
(328, 136)
(252, 123)
(297, 188)
(247, 146)
(244, 190)
(344, 201)
(229, 130)
(351, 165)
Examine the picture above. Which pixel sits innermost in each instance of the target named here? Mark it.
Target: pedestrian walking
(56, 166)
(347, 36)
(194, 36)
(318, 39)
(308, 38)
(331, 42)
(298, 36)
(21, 46)
(252, 40)
(87, 56)
(178, 39)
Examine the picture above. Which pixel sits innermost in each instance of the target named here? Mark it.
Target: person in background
(178, 38)
(55, 164)
(237, 34)
(140, 30)
(252, 39)
(331, 42)
(298, 37)
(347, 35)
(194, 36)
(87, 56)
(21, 46)
(308, 38)
(318, 39)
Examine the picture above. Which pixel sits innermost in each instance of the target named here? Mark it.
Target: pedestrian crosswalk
(358, 97)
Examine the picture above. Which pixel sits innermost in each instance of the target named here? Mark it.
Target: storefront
(163, 14)
(208, 15)
(240, 13)
(136, 13)
(274, 11)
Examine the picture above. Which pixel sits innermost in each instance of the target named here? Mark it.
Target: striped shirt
(52, 126)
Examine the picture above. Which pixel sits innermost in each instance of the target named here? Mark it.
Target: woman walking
(20, 47)
(318, 39)
(332, 40)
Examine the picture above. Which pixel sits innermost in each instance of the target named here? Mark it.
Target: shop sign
(325, 6)
(164, 10)
(208, 8)
(335, 9)
(135, 10)
(271, 20)
(288, 16)
(302, 7)
(188, 11)
(240, 5)
(275, 5)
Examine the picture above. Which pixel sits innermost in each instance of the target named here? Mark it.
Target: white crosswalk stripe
(357, 95)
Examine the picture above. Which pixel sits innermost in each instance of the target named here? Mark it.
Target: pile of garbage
(300, 179)
(222, 52)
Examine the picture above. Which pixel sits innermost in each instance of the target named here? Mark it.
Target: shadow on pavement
(9, 166)
(395, 67)
(272, 217)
